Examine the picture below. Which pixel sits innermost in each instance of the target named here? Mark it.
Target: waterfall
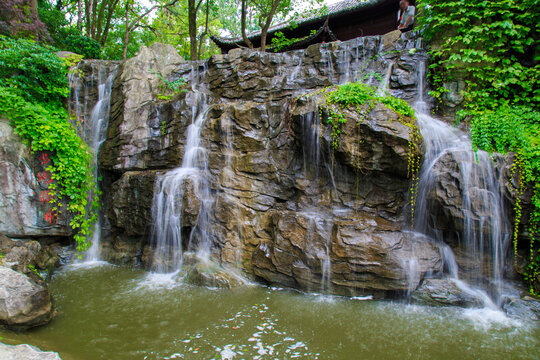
(485, 228)
(92, 128)
(170, 191)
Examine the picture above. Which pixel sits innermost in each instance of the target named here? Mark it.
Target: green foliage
(46, 128)
(170, 87)
(281, 42)
(33, 269)
(33, 102)
(491, 45)
(74, 41)
(34, 70)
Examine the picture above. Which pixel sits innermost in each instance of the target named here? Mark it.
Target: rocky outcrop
(135, 140)
(23, 302)
(354, 255)
(286, 207)
(26, 352)
(446, 292)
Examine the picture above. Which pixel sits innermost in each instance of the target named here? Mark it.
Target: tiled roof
(333, 10)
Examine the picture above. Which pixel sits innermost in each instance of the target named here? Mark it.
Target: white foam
(227, 353)
(487, 318)
(87, 265)
(155, 280)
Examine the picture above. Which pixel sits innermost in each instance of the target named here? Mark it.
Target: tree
(172, 26)
(266, 11)
(98, 16)
(243, 25)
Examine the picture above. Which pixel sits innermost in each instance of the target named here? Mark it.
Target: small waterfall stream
(170, 191)
(92, 128)
(485, 228)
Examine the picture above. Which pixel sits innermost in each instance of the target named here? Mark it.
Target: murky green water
(116, 313)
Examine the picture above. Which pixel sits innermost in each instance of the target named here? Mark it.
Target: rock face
(23, 302)
(286, 206)
(21, 211)
(26, 352)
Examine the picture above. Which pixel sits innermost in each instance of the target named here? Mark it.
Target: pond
(116, 313)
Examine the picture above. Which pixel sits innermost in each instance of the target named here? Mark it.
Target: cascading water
(92, 129)
(169, 192)
(485, 227)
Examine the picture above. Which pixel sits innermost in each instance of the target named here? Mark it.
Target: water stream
(92, 127)
(169, 194)
(485, 229)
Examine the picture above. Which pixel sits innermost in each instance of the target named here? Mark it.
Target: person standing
(405, 16)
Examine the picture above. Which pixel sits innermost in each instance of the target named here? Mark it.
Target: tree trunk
(264, 30)
(201, 39)
(79, 15)
(192, 26)
(243, 25)
(126, 34)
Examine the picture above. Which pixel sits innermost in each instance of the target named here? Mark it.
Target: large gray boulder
(25, 352)
(23, 302)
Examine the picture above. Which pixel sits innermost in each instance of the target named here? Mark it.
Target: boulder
(208, 273)
(25, 352)
(23, 302)
(526, 309)
(446, 292)
(144, 131)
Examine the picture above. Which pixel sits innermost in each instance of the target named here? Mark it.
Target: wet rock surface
(445, 292)
(24, 303)
(21, 255)
(26, 352)
(21, 210)
(526, 308)
(287, 207)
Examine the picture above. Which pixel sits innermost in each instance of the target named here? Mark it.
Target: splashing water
(170, 190)
(484, 233)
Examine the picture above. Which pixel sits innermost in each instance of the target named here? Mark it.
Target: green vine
(491, 47)
(281, 42)
(516, 130)
(33, 88)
